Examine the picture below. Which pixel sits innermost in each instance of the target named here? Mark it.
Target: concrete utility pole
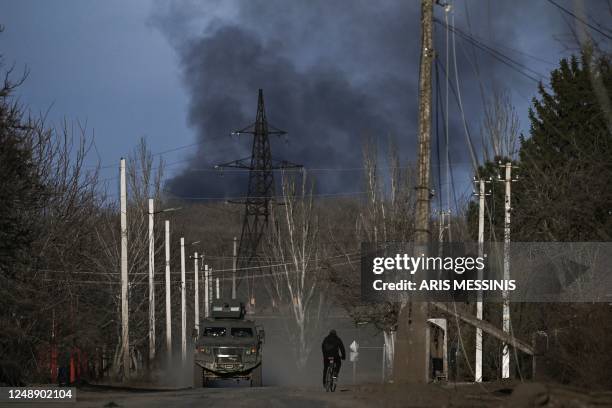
(506, 302)
(125, 329)
(486, 327)
(206, 293)
(443, 225)
(151, 284)
(411, 359)
(168, 310)
(479, 308)
(441, 228)
(183, 305)
(234, 262)
(218, 293)
(211, 285)
(196, 296)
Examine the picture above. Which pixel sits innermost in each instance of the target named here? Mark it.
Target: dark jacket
(332, 347)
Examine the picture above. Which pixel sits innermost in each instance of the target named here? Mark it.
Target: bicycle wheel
(329, 378)
(332, 386)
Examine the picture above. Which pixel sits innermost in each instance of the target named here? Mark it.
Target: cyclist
(332, 347)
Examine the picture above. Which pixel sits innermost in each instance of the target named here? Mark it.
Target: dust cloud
(279, 361)
(280, 358)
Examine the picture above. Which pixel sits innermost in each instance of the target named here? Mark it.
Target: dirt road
(300, 397)
(498, 395)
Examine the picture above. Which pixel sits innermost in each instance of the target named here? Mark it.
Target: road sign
(354, 354)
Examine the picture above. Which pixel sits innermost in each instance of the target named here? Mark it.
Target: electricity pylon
(261, 188)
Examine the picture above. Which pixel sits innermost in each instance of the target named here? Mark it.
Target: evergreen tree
(566, 163)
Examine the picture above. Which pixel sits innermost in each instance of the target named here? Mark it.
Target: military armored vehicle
(228, 346)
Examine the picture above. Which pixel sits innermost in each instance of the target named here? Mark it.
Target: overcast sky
(180, 72)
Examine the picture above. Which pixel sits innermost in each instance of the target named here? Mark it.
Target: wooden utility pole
(411, 359)
(125, 329)
(183, 305)
(196, 296)
(151, 284)
(424, 136)
(234, 262)
(168, 305)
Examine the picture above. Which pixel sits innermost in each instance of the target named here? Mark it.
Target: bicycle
(330, 379)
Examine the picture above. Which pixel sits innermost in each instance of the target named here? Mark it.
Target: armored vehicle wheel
(256, 377)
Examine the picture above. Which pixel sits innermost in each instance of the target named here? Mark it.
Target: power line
(467, 133)
(498, 55)
(560, 7)
(307, 169)
(178, 148)
(310, 170)
(474, 161)
(264, 275)
(501, 45)
(349, 193)
(341, 255)
(523, 53)
(152, 169)
(171, 150)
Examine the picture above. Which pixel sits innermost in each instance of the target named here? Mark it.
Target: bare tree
(56, 209)
(500, 133)
(295, 281)
(384, 216)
